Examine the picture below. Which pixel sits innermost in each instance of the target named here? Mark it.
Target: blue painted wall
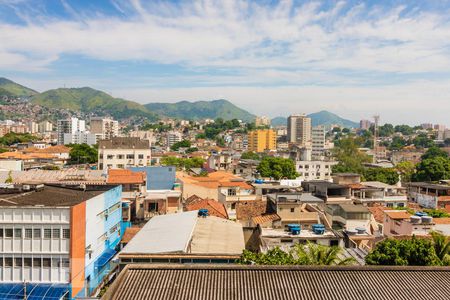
(158, 178)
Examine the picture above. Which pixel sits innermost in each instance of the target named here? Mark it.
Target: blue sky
(354, 58)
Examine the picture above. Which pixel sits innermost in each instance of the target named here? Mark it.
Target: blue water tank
(259, 181)
(203, 212)
(421, 214)
(295, 231)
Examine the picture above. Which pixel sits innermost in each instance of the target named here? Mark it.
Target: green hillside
(88, 100)
(327, 118)
(201, 110)
(11, 89)
(323, 117)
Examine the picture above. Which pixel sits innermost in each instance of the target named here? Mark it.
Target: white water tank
(415, 219)
(427, 219)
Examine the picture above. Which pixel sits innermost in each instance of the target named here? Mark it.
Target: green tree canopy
(349, 157)
(250, 155)
(413, 252)
(277, 168)
(13, 138)
(386, 175)
(180, 144)
(434, 152)
(83, 153)
(433, 169)
(406, 170)
(309, 254)
(182, 163)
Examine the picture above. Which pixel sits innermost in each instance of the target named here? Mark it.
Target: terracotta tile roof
(129, 233)
(398, 214)
(265, 218)
(441, 221)
(214, 208)
(249, 209)
(119, 176)
(215, 180)
(378, 213)
(192, 199)
(55, 149)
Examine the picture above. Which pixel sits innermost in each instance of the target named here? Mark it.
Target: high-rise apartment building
(318, 142)
(261, 140)
(262, 121)
(365, 124)
(71, 125)
(45, 126)
(173, 137)
(299, 130)
(105, 128)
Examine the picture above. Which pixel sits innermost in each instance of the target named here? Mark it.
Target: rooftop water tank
(427, 219)
(415, 219)
(421, 214)
(295, 230)
(203, 212)
(360, 230)
(351, 231)
(259, 181)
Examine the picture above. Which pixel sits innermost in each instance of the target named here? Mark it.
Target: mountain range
(324, 118)
(90, 101)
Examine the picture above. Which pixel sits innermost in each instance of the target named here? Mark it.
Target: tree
(406, 170)
(9, 179)
(437, 213)
(397, 143)
(404, 129)
(349, 157)
(180, 144)
(277, 168)
(14, 138)
(250, 155)
(423, 141)
(433, 169)
(83, 153)
(315, 254)
(386, 130)
(441, 244)
(413, 252)
(309, 254)
(434, 152)
(386, 175)
(182, 163)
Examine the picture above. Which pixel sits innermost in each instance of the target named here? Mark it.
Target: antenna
(376, 118)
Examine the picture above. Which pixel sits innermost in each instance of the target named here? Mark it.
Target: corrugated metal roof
(164, 234)
(275, 282)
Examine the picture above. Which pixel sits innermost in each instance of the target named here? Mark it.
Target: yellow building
(261, 140)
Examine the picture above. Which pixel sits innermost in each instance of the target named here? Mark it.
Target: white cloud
(236, 33)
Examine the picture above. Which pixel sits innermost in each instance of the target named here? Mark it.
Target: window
(17, 232)
(8, 261)
(56, 233)
(120, 166)
(36, 262)
(37, 233)
(109, 156)
(130, 156)
(47, 233)
(8, 232)
(18, 261)
(120, 156)
(27, 262)
(141, 156)
(66, 233)
(55, 262)
(65, 263)
(1, 232)
(46, 262)
(101, 156)
(231, 192)
(28, 233)
(292, 209)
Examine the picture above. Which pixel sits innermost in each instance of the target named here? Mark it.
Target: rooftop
(304, 233)
(397, 214)
(124, 143)
(443, 187)
(187, 233)
(52, 196)
(214, 208)
(119, 176)
(277, 282)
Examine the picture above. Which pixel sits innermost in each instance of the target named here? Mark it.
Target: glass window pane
(8, 261)
(28, 233)
(47, 233)
(37, 233)
(27, 262)
(56, 233)
(18, 261)
(17, 232)
(37, 262)
(66, 233)
(8, 232)
(46, 262)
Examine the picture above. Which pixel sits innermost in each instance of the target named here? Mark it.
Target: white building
(70, 126)
(314, 170)
(105, 128)
(123, 152)
(45, 126)
(299, 129)
(318, 142)
(33, 127)
(173, 137)
(80, 137)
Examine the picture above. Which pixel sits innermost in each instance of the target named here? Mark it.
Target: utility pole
(375, 138)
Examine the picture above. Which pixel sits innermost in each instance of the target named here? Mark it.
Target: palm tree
(441, 245)
(314, 254)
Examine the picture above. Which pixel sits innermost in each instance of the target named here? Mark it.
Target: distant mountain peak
(11, 88)
(323, 117)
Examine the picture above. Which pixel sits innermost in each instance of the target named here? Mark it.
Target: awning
(34, 291)
(104, 258)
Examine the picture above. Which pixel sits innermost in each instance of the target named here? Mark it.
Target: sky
(274, 58)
